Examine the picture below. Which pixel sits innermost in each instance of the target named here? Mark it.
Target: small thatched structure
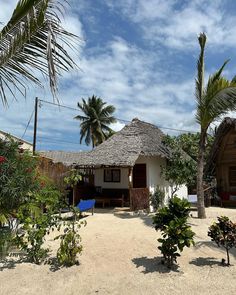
(121, 150)
(64, 157)
(129, 161)
(222, 159)
(225, 137)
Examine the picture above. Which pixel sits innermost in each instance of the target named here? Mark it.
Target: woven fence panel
(139, 198)
(55, 171)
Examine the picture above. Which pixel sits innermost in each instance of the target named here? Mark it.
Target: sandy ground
(121, 257)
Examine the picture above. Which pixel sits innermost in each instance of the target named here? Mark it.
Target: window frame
(113, 177)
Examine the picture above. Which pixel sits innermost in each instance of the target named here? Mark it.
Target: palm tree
(94, 123)
(214, 100)
(33, 41)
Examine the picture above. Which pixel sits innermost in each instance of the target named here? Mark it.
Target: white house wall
(154, 178)
(24, 145)
(182, 192)
(99, 179)
(153, 166)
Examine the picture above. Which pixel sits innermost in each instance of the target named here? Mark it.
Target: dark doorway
(139, 176)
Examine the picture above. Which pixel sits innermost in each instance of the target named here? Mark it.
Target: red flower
(28, 170)
(2, 159)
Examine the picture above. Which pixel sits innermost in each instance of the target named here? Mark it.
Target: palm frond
(33, 41)
(3, 218)
(218, 101)
(215, 77)
(95, 121)
(79, 117)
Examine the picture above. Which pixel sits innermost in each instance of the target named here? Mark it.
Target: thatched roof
(122, 149)
(226, 125)
(66, 158)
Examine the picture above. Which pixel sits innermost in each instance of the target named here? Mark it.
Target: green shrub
(176, 233)
(157, 198)
(32, 201)
(70, 244)
(18, 178)
(223, 233)
(6, 241)
(37, 216)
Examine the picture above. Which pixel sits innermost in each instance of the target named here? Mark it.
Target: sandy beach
(120, 256)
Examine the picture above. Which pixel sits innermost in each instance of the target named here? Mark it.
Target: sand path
(120, 257)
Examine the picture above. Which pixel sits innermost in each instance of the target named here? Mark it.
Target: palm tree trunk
(200, 169)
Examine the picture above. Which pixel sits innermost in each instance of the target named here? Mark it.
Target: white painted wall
(154, 178)
(25, 145)
(99, 179)
(153, 166)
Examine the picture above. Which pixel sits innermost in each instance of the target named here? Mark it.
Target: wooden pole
(35, 124)
(130, 181)
(73, 196)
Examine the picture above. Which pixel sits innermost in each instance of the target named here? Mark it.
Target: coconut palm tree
(33, 41)
(214, 100)
(94, 123)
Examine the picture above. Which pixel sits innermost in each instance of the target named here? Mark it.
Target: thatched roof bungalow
(129, 161)
(222, 159)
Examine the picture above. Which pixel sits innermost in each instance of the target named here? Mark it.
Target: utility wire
(27, 124)
(59, 140)
(118, 119)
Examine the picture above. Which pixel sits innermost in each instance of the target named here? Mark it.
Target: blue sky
(139, 56)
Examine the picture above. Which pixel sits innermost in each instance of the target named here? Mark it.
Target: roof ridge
(144, 122)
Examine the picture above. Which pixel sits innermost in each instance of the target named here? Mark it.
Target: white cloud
(177, 25)
(123, 75)
(135, 80)
(117, 126)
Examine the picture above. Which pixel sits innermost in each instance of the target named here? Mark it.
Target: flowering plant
(2, 159)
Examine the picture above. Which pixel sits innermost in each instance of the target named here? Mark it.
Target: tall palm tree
(94, 123)
(214, 100)
(33, 41)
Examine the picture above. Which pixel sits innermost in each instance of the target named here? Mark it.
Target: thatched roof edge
(226, 125)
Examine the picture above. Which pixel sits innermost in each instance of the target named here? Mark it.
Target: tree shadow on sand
(151, 265)
(147, 219)
(10, 263)
(55, 265)
(213, 245)
(205, 261)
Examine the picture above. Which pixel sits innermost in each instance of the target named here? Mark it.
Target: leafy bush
(157, 198)
(180, 168)
(223, 233)
(37, 218)
(176, 233)
(28, 202)
(6, 241)
(17, 178)
(28, 206)
(70, 244)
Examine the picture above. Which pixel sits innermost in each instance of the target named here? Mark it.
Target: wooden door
(139, 176)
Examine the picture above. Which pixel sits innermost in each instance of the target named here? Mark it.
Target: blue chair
(85, 205)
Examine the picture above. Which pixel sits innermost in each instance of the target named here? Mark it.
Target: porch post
(130, 181)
